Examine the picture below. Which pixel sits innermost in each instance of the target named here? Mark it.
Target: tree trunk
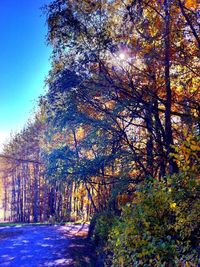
(36, 193)
(149, 144)
(172, 166)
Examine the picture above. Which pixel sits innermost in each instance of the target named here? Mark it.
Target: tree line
(123, 96)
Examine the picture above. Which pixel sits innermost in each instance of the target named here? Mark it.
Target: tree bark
(172, 166)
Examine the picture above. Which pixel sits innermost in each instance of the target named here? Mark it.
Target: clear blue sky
(24, 61)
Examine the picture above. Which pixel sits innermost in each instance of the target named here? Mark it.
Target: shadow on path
(45, 246)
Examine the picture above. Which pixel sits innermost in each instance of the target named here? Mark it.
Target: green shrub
(161, 228)
(102, 224)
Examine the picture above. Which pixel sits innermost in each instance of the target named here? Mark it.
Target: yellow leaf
(179, 88)
(158, 257)
(195, 147)
(173, 205)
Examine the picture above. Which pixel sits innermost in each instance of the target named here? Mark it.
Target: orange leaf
(191, 3)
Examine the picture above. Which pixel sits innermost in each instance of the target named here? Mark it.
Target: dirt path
(35, 246)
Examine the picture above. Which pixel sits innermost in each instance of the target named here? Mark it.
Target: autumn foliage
(118, 140)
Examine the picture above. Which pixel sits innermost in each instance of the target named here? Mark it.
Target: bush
(161, 228)
(101, 225)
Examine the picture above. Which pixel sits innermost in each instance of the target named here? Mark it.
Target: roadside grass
(4, 224)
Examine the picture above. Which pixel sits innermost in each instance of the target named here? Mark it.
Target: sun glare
(122, 56)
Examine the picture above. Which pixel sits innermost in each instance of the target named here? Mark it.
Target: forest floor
(46, 246)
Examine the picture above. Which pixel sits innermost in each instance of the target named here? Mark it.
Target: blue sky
(24, 61)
